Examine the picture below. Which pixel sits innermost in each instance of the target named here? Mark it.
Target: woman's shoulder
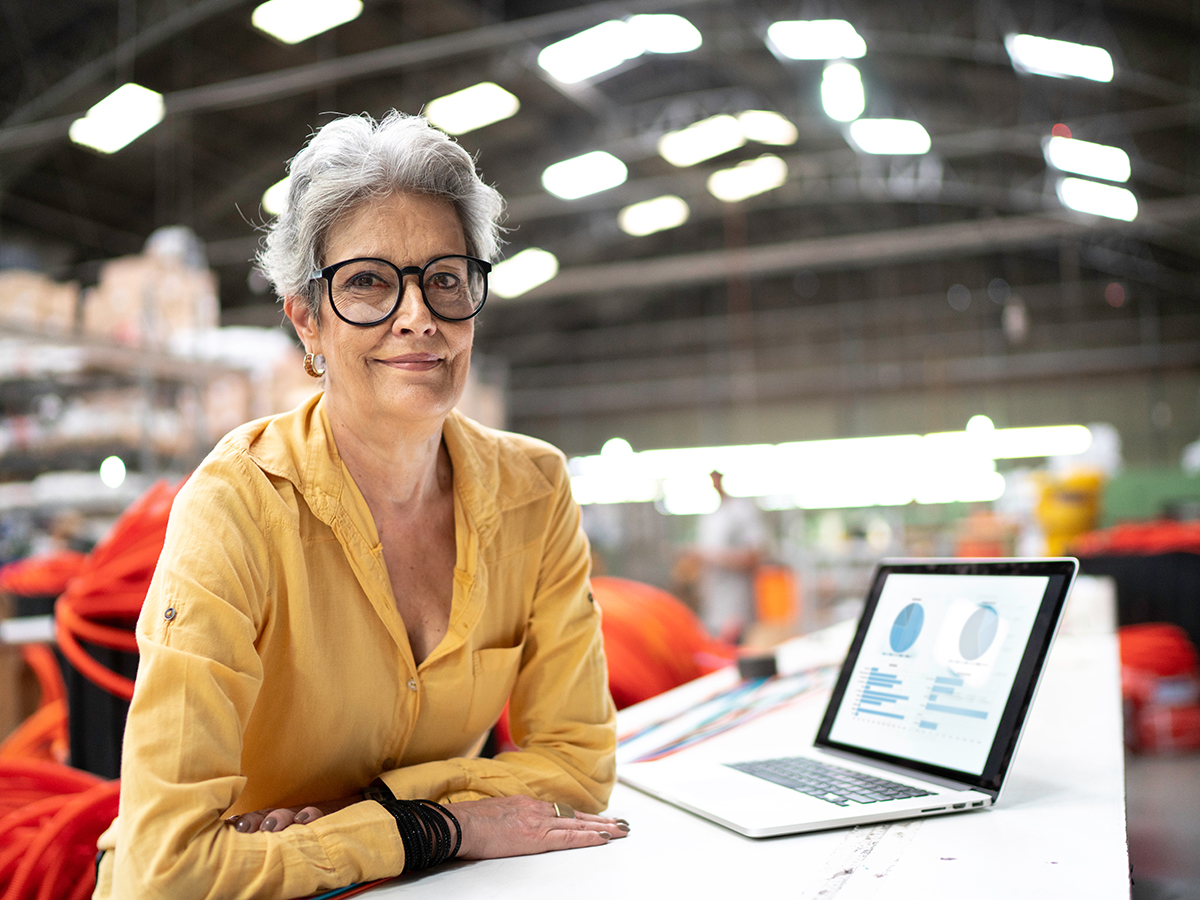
(521, 461)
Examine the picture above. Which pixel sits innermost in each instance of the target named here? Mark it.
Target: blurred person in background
(350, 592)
(730, 543)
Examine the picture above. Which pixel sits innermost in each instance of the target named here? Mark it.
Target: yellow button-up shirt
(276, 671)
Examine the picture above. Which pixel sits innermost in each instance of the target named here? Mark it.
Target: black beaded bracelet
(423, 830)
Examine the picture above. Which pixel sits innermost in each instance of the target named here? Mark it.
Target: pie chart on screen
(907, 627)
(978, 633)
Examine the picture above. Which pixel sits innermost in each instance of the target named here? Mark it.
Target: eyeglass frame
(326, 274)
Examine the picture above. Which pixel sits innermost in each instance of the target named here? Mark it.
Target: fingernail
(242, 826)
(623, 822)
(301, 817)
(267, 825)
(606, 835)
(622, 826)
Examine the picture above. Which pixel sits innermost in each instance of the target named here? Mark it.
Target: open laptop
(926, 714)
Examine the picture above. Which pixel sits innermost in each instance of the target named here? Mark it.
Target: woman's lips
(413, 362)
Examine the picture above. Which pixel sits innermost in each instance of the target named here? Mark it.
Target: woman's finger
(248, 823)
(277, 819)
(309, 814)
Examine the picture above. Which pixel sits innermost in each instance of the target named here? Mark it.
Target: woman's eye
(443, 281)
(364, 280)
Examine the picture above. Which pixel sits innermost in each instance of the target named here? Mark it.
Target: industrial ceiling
(869, 294)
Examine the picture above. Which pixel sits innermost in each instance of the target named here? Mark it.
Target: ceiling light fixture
(842, 93)
(274, 198)
(1086, 158)
(1058, 59)
(651, 216)
(767, 127)
(523, 272)
(701, 140)
(748, 178)
(584, 175)
(472, 107)
(816, 39)
(1098, 199)
(607, 45)
(890, 136)
(293, 21)
(125, 114)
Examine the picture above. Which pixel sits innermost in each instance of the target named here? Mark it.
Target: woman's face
(414, 365)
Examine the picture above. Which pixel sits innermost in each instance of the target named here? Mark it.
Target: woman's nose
(413, 315)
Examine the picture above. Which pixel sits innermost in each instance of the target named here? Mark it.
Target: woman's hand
(518, 826)
(280, 818)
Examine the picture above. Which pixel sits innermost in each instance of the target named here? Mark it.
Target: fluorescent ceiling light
(817, 39)
(583, 175)
(654, 215)
(665, 33)
(471, 108)
(1058, 59)
(951, 467)
(889, 136)
(112, 472)
(129, 111)
(590, 52)
(767, 127)
(1098, 199)
(702, 140)
(748, 178)
(1086, 158)
(274, 198)
(842, 92)
(522, 272)
(293, 21)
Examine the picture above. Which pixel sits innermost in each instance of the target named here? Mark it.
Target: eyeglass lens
(367, 290)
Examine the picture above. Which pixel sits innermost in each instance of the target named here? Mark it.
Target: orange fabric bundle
(1160, 682)
(111, 587)
(41, 576)
(1140, 539)
(652, 640)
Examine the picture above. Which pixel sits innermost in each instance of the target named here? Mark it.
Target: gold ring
(562, 811)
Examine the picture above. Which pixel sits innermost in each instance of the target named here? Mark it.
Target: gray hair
(355, 159)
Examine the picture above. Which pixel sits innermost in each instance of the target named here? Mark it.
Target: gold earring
(310, 366)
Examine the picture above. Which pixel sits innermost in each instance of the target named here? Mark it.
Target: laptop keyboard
(825, 782)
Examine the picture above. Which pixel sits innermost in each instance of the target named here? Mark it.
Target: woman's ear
(303, 320)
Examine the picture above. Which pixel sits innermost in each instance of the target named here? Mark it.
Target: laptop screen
(944, 664)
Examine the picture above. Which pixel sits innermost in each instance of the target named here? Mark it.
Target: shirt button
(169, 614)
(412, 684)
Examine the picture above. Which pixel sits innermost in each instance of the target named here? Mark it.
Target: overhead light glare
(651, 216)
(522, 273)
(1086, 158)
(588, 53)
(274, 198)
(665, 33)
(125, 114)
(583, 175)
(1098, 199)
(842, 93)
(701, 140)
(949, 467)
(472, 107)
(748, 178)
(767, 127)
(890, 136)
(293, 21)
(816, 39)
(1058, 59)
(112, 472)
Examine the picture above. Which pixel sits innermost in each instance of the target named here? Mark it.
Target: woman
(350, 592)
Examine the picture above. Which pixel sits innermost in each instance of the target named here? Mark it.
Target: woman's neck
(396, 465)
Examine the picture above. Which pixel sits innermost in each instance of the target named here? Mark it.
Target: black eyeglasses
(368, 291)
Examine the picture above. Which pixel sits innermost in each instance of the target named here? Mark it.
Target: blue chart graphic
(877, 695)
(978, 633)
(943, 688)
(907, 627)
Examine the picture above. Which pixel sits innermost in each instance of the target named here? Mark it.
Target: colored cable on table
(731, 708)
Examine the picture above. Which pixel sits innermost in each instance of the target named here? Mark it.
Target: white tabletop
(1058, 831)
